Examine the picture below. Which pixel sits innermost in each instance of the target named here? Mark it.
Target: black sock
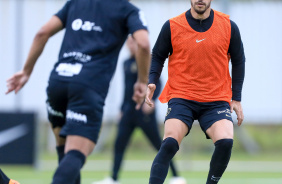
(161, 162)
(220, 159)
(60, 152)
(69, 168)
(3, 178)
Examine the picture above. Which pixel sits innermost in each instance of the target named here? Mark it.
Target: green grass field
(263, 167)
(27, 175)
(243, 168)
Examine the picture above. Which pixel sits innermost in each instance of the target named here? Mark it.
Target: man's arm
(143, 60)
(137, 26)
(237, 54)
(236, 50)
(161, 51)
(18, 80)
(143, 56)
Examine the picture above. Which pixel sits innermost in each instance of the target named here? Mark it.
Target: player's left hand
(150, 93)
(237, 107)
(16, 82)
(139, 94)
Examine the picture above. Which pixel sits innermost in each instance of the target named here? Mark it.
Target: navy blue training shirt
(163, 48)
(130, 77)
(95, 33)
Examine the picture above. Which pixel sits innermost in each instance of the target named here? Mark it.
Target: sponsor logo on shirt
(78, 56)
(69, 69)
(76, 116)
(78, 24)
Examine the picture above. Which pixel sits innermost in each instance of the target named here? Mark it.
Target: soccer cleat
(177, 180)
(108, 180)
(13, 182)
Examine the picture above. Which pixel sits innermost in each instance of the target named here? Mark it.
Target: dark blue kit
(95, 31)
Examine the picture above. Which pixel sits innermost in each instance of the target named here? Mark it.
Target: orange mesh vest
(198, 68)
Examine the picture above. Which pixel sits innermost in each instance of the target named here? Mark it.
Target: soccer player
(145, 118)
(95, 31)
(199, 44)
(5, 179)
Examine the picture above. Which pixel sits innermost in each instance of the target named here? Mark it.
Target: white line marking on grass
(189, 180)
(200, 180)
(145, 165)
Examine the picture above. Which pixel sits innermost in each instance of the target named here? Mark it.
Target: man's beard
(200, 11)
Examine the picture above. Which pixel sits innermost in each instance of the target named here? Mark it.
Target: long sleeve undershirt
(163, 48)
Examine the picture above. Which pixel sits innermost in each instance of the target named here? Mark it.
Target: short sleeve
(136, 19)
(63, 13)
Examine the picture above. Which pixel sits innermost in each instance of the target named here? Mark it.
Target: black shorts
(207, 113)
(76, 108)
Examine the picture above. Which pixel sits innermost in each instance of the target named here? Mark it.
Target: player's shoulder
(127, 9)
(222, 17)
(234, 27)
(121, 7)
(233, 24)
(127, 5)
(69, 2)
(166, 25)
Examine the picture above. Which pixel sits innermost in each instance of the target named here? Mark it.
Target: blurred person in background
(199, 44)
(4, 179)
(145, 118)
(95, 31)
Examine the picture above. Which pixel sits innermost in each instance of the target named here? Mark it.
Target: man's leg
(60, 147)
(123, 137)
(76, 150)
(60, 143)
(221, 133)
(152, 132)
(175, 130)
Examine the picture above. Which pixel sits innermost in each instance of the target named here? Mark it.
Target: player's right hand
(139, 93)
(17, 81)
(150, 92)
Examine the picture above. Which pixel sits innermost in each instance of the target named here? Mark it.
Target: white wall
(259, 22)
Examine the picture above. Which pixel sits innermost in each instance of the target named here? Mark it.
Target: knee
(170, 145)
(225, 144)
